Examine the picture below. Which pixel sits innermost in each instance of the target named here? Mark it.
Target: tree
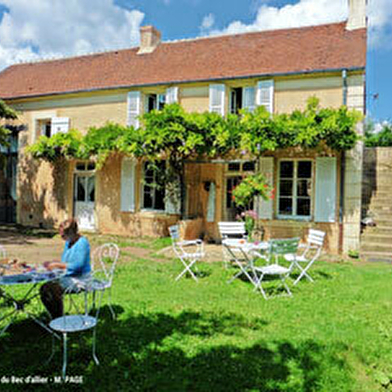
(6, 113)
(378, 135)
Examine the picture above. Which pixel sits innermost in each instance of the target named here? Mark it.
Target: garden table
(30, 281)
(242, 253)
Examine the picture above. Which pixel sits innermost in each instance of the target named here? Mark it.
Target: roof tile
(306, 49)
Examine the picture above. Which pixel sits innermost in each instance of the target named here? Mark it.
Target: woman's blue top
(77, 257)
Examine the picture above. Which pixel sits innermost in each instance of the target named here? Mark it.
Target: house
(279, 69)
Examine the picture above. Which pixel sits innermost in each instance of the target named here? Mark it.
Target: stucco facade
(47, 192)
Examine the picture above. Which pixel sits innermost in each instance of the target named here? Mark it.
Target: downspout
(342, 171)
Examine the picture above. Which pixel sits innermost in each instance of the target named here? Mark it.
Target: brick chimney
(150, 38)
(356, 14)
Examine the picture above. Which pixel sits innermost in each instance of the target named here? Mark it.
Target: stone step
(382, 221)
(376, 256)
(381, 195)
(381, 230)
(377, 247)
(377, 204)
(375, 238)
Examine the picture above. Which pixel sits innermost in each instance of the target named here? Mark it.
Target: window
(153, 187)
(242, 98)
(155, 102)
(235, 100)
(45, 127)
(235, 172)
(295, 188)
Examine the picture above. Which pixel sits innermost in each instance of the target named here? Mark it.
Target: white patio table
(242, 254)
(30, 281)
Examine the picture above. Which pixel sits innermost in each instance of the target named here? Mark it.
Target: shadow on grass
(167, 352)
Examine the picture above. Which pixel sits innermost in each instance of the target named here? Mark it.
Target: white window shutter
(128, 170)
(217, 98)
(172, 95)
(173, 205)
(325, 203)
(265, 94)
(266, 207)
(211, 203)
(133, 108)
(248, 98)
(59, 125)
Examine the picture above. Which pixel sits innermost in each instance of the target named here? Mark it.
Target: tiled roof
(306, 49)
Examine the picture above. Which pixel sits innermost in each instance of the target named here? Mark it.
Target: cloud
(33, 29)
(313, 12)
(207, 22)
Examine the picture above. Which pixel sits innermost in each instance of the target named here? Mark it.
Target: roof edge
(169, 42)
(124, 87)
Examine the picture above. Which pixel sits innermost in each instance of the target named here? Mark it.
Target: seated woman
(75, 260)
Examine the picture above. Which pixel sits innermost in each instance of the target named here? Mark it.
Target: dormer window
(46, 127)
(155, 102)
(242, 98)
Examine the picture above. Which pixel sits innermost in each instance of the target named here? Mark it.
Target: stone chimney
(150, 38)
(356, 14)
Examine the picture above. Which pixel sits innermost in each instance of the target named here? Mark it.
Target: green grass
(333, 335)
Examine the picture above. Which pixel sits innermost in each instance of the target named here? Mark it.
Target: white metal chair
(106, 257)
(279, 248)
(232, 233)
(72, 323)
(188, 259)
(312, 251)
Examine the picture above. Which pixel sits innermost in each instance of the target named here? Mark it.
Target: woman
(75, 260)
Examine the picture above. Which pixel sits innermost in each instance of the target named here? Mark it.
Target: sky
(39, 29)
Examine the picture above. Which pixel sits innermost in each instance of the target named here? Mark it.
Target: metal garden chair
(279, 248)
(77, 322)
(312, 251)
(187, 258)
(232, 234)
(104, 260)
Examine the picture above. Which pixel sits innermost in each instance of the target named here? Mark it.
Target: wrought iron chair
(187, 258)
(312, 251)
(104, 260)
(77, 322)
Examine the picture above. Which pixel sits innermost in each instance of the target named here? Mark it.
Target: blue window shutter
(266, 207)
(128, 170)
(217, 98)
(133, 108)
(325, 198)
(265, 94)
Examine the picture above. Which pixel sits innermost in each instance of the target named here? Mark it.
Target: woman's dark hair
(70, 227)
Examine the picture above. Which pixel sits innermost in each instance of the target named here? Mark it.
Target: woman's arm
(51, 265)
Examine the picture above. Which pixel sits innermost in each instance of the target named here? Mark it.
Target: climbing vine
(177, 136)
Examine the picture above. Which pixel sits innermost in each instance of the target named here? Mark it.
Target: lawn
(333, 335)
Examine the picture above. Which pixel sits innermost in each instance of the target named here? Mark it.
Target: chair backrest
(284, 246)
(106, 255)
(174, 233)
(175, 236)
(316, 237)
(231, 229)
